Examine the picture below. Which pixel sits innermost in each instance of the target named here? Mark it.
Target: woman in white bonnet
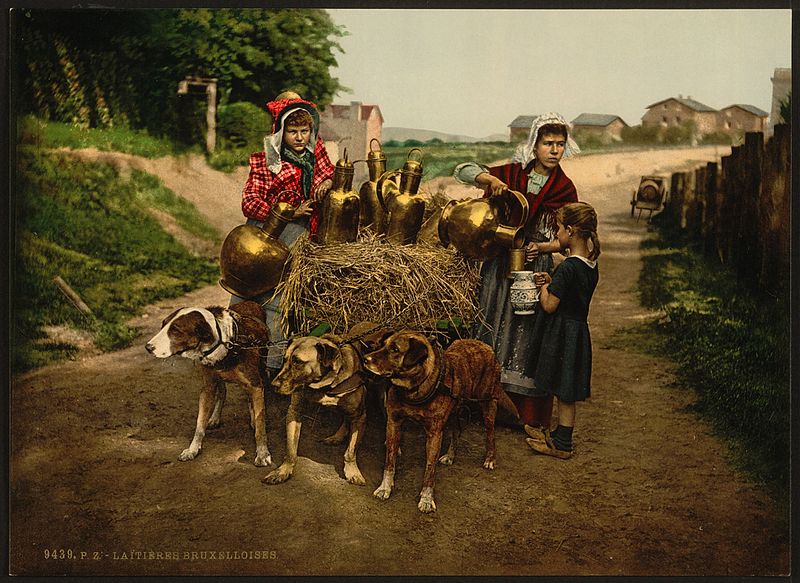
(535, 171)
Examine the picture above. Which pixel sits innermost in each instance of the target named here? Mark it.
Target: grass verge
(732, 349)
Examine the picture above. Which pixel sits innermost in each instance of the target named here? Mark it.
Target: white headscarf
(273, 142)
(526, 152)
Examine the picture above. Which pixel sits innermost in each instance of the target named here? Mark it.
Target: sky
(471, 72)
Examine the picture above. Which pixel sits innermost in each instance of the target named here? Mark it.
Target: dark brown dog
(227, 343)
(326, 372)
(426, 386)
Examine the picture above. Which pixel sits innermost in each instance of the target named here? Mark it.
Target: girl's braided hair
(583, 218)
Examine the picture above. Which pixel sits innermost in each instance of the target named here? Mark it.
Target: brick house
(519, 129)
(607, 127)
(746, 118)
(353, 127)
(675, 111)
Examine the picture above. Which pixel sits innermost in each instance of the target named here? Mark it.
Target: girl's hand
(496, 186)
(532, 251)
(322, 189)
(541, 278)
(304, 210)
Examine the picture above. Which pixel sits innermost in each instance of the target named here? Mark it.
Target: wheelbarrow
(649, 196)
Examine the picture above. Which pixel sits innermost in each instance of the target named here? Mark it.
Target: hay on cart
(371, 279)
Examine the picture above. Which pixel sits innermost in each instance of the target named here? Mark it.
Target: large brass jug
(404, 206)
(372, 214)
(339, 213)
(479, 228)
(252, 259)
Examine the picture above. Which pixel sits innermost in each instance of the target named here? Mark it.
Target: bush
(243, 125)
(640, 134)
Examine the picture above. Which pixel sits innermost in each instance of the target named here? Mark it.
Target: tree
(786, 109)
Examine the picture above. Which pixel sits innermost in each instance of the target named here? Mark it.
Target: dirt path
(94, 465)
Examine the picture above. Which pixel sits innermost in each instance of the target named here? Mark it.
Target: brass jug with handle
(372, 214)
(479, 228)
(252, 259)
(339, 212)
(404, 206)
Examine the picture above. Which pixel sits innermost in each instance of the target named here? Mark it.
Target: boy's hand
(303, 210)
(322, 189)
(532, 251)
(541, 278)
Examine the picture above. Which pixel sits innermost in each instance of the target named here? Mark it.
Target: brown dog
(322, 371)
(228, 343)
(426, 385)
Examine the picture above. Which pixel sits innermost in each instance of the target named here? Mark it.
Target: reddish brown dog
(226, 342)
(426, 386)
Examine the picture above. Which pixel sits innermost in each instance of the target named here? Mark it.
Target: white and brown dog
(228, 344)
(326, 372)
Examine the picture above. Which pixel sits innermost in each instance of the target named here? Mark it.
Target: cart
(649, 196)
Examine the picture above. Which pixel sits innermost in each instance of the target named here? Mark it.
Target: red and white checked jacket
(264, 188)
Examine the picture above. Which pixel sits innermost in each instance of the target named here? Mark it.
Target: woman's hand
(494, 185)
(532, 252)
(304, 210)
(322, 189)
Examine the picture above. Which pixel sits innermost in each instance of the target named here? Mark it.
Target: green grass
(92, 227)
(441, 159)
(732, 348)
(50, 134)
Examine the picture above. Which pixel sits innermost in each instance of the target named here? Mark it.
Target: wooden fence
(740, 208)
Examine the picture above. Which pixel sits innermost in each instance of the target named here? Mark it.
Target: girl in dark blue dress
(561, 344)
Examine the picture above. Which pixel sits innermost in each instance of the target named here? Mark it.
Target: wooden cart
(649, 196)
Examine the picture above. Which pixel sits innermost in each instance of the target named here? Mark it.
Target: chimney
(355, 110)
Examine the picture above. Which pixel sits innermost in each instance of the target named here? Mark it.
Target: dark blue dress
(561, 344)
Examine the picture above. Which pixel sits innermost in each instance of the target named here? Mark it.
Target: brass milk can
(405, 207)
(339, 214)
(252, 259)
(479, 227)
(372, 213)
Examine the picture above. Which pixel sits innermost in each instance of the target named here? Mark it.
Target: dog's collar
(347, 386)
(217, 352)
(435, 389)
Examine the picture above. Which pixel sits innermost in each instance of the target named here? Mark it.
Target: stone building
(745, 118)
(781, 87)
(676, 111)
(519, 128)
(607, 127)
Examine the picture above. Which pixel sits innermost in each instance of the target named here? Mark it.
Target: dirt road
(96, 486)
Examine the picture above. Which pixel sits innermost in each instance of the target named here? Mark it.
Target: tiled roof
(596, 119)
(523, 121)
(750, 109)
(690, 103)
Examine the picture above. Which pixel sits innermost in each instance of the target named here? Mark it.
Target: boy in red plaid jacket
(295, 168)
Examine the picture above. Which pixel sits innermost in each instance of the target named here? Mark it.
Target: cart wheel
(633, 206)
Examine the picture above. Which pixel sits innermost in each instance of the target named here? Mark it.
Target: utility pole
(196, 85)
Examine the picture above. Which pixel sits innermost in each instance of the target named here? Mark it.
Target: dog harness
(439, 388)
(232, 345)
(347, 386)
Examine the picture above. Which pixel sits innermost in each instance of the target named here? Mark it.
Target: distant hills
(403, 134)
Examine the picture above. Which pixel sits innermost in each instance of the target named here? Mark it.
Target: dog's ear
(330, 361)
(204, 332)
(416, 353)
(168, 318)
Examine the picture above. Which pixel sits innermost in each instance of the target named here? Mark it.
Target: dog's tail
(505, 402)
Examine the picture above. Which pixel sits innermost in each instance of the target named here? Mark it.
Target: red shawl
(556, 192)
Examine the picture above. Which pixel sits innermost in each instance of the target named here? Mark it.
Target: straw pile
(409, 286)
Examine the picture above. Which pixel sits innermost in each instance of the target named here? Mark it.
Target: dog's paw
(188, 454)
(488, 464)
(353, 475)
(447, 459)
(278, 476)
(263, 461)
(213, 423)
(426, 503)
(382, 492)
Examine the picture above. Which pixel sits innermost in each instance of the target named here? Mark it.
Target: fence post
(749, 256)
(710, 209)
(774, 210)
